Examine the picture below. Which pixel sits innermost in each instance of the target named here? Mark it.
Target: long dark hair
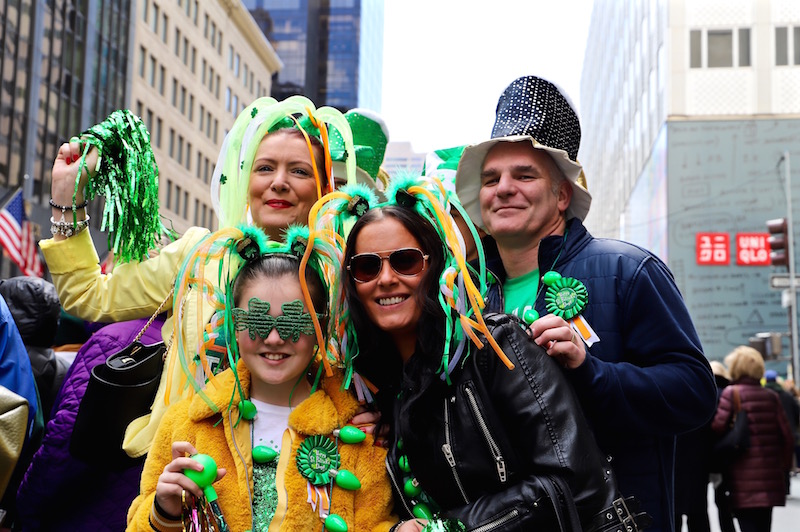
(378, 359)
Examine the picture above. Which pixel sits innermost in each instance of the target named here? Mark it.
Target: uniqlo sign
(713, 249)
(752, 249)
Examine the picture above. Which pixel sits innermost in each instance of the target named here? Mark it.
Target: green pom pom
(128, 178)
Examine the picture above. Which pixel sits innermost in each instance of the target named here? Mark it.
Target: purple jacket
(60, 492)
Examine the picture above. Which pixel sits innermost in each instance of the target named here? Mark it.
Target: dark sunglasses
(365, 267)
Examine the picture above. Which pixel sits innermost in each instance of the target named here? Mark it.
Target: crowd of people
(451, 351)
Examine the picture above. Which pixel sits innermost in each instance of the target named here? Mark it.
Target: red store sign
(713, 249)
(752, 249)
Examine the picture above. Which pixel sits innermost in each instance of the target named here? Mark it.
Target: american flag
(16, 236)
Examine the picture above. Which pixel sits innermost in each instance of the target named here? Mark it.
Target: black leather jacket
(481, 446)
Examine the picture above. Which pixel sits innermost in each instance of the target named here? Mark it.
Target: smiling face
(275, 364)
(282, 185)
(518, 203)
(390, 299)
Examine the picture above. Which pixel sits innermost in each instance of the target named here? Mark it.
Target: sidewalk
(784, 518)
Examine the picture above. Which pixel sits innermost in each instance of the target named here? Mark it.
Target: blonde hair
(719, 369)
(745, 361)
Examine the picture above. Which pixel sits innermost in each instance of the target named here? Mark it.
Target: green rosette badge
(316, 457)
(566, 297)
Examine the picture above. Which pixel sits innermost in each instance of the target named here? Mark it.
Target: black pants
(754, 519)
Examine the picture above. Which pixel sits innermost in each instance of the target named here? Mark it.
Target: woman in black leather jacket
(492, 447)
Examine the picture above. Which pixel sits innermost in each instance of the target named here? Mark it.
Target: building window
(142, 59)
(696, 49)
(156, 16)
(177, 42)
(744, 47)
(787, 45)
(719, 48)
(161, 75)
(158, 133)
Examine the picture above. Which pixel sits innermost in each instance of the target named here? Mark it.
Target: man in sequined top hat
(608, 311)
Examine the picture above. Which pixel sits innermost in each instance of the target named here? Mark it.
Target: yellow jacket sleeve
(133, 290)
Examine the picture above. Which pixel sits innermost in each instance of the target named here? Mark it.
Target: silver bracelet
(68, 229)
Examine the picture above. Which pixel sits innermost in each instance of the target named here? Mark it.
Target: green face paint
(257, 321)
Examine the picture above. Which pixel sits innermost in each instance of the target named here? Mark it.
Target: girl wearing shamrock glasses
(275, 422)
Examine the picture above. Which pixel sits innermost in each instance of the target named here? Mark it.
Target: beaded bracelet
(67, 207)
(68, 229)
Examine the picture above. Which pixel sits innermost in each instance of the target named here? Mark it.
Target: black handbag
(734, 442)
(119, 391)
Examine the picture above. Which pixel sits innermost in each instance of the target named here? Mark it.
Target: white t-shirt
(270, 424)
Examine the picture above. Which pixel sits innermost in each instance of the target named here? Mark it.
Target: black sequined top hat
(534, 110)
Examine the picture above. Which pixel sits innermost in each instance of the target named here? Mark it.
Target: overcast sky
(447, 61)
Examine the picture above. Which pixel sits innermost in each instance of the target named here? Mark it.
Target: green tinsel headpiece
(128, 178)
(231, 248)
(231, 180)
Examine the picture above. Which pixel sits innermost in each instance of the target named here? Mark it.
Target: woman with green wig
(271, 169)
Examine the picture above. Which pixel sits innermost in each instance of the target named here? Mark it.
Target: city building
(687, 108)
(64, 67)
(186, 67)
(197, 65)
(329, 49)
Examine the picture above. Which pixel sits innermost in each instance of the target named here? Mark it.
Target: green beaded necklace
(317, 460)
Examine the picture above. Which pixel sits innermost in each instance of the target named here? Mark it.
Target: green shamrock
(256, 321)
(294, 321)
(222, 179)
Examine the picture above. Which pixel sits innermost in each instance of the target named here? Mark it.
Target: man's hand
(559, 340)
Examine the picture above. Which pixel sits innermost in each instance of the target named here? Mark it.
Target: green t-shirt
(520, 293)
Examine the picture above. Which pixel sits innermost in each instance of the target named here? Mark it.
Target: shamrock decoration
(294, 321)
(222, 179)
(257, 321)
(241, 165)
(358, 206)
(565, 297)
(248, 249)
(253, 112)
(316, 457)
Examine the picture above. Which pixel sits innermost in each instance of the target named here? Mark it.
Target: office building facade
(687, 108)
(327, 46)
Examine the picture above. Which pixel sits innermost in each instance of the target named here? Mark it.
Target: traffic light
(778, 241)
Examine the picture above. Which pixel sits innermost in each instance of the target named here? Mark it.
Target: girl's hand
(172, 482)
(65, 169)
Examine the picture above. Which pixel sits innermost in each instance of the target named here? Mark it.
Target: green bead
(422, 511)
(346, 480)
(411, 487)
(263, 454)
(335, 523)
(529, 316)
(404, 467)
(400, 444)
(247, 409)
(551, 277)
(350, 434)
(207, 475)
